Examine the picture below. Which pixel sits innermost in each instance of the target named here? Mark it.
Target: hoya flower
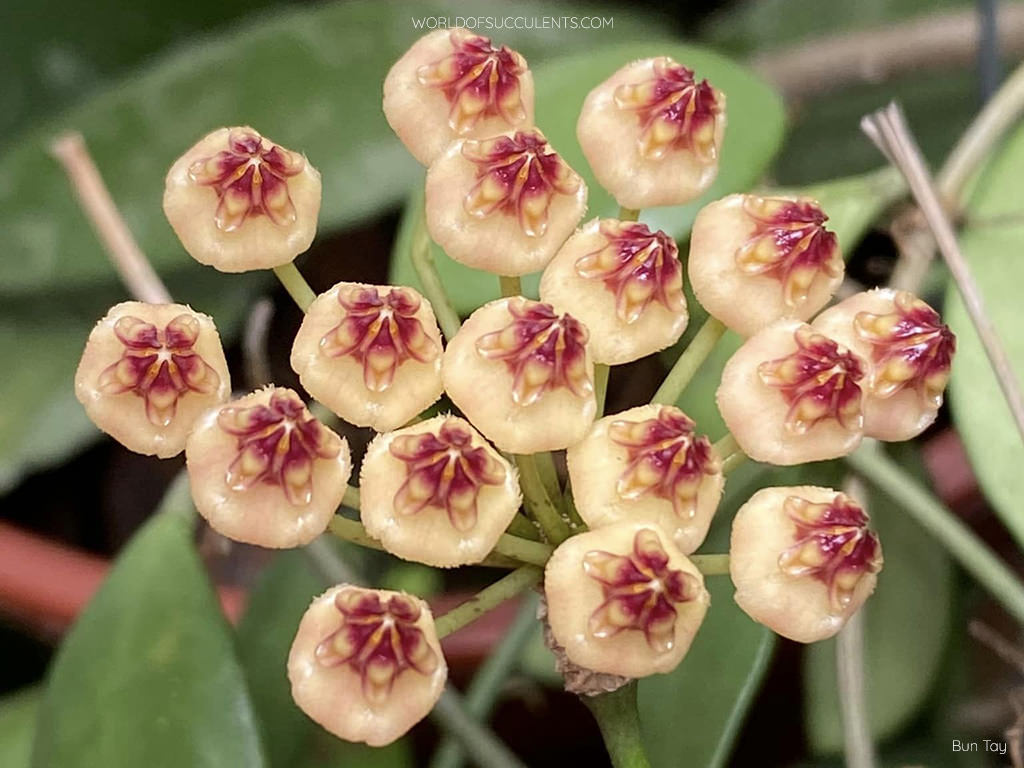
(649, 465)
(755, 259)
(652, 133)
(370, 353)
(264, 471)
(623, 600)
(803, 560)
(366, 664)
(791, 395)
(148, 371)
(239, 202)
(522, 374)
(437, 493)
(454, 84)
(625, 283)
(909, 352)
(503, 204)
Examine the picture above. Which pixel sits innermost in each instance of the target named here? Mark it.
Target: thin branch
(422, 257)
(487, 599)
(538, 503)
(295, 284)
(711, 565)
(689, 362)
(134, 268)
(888, 129)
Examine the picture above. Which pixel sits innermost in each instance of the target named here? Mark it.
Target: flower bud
(652, 133)
(437, 493)
(148, 371)
(623, 600)
(791, 395)
(625, 283)
(265, 472)
(909, 351)
(523, 376)
(239, 202)
(372, 354)
(803, 560)
(366, 664)
(647, 465)
(453, 83)
(755, 259)
(503, 204)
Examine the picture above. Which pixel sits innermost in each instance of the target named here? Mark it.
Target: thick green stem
(689, 362)
(487, 683)
(617, 717)
(523, 550)
(629, 214)
(295, 284)
(549, 478)
(730, 453)
(422, 257)
(972, 553)
(537, 501)
(600, 386)
(523, 527)
(711, 565)
(510, 286)
(487, 599)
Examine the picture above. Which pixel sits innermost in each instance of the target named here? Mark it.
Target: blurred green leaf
(309, 78)
(907, 628)
(992, 244)
(751, 140)
(18, 712)
(148, 675)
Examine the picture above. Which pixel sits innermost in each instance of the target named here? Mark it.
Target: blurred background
(142, 81)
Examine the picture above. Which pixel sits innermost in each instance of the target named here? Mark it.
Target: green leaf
(18, 712)
(310, 78)
(751, 140)
(907, 628)
(148, 674)
(991, 243)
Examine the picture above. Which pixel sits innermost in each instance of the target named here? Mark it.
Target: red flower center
(380, 332)
(378, 639)
(833, 544)
(543, 351)
(250, 178)
(444, 471)
(640, 591)
(158, 365)
(638, 266)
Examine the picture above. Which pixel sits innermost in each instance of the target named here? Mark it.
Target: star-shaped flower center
(789, 243)
(251, 178)
(278, 444)
(478, 80)
(517, 175)
(674, 111)
(380, 331)
(444, 470)
(819, 381)
(638, 266)
(543, 351)
(666, 459)
(160, 365)
(911, 347)
(379, 640)
(640, 591)
(833, 544)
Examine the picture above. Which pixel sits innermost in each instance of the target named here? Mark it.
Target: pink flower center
(378, 639)
(380, 331)
(789, 243)
(640, 591)
(674, 111)
(444, 471)
(517, 175)
(638, 266)
(666, 459)
(158, 365)
(819, 381)
(478, 80)
(278, 444)
(911, 347)
(251, 178)
(833, 544)
(543, 351)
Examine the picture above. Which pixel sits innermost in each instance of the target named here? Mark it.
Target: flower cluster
(623, 596)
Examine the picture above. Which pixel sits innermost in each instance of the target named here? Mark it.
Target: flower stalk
(539, 504)
(487, 599)
(422, 257)
(296, 285)
(619, 720)
(689, 362)
(730, 453)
